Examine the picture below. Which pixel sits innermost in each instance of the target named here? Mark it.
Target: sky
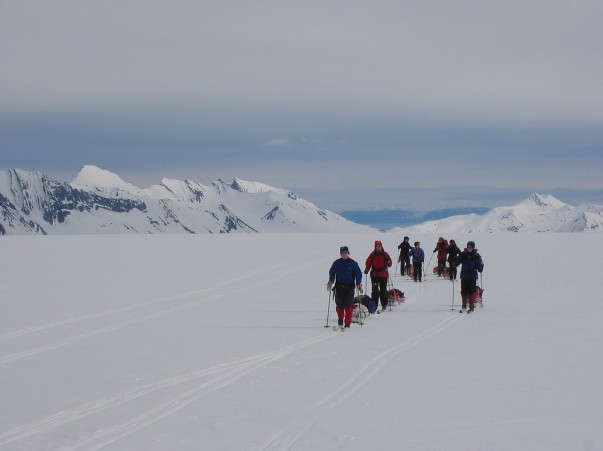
(349, 103)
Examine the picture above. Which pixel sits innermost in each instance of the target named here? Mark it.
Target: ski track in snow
(209, 380)
(287, 438)
(225, 374)
(219, 376)
(59, 344)
(42, 327)
(419, 289)
(213, 379)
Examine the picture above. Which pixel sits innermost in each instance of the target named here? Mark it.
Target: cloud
(342, 93)
(502, 61)
(276, 142)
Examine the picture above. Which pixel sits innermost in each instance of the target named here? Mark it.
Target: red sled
(395, 295)
(477, 296)
(445, 271)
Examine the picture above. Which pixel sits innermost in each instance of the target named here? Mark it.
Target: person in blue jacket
(345, 273)
(471, 263)
(418, 257)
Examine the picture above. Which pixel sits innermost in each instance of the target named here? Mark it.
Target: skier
(471, 263)
(453, 252)
(346, 275)
(404, 258)
(377, 263)
(440, 248)
(418, 257)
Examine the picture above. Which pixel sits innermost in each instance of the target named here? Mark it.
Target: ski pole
(452, 308)
(328, 308)
(430, 258)
(481, 287)
(366, 286)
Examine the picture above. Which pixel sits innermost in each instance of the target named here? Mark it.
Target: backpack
(367, 302)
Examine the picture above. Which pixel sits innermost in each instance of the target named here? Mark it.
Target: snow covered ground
(217, 342)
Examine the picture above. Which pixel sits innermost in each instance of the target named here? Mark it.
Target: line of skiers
(345, 274)
(469, 259)
(446, 253)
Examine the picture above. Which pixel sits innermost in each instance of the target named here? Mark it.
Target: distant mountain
(537, 213)
(98, 201)
(386, 219)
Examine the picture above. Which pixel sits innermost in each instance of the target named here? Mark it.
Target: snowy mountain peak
(220, 185)
(537, 213)
(93, 177)
(253, 187)
(544, 200)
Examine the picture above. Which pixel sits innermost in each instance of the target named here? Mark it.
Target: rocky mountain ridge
(98, 201)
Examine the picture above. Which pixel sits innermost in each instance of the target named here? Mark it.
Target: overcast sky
(307, 95)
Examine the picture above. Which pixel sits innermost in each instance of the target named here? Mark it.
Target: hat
(406, 238)
(378, 243)
(344, 249)
(471, 244)
(417, 243)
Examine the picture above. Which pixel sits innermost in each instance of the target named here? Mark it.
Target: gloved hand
(366, 271)
(329, 285)
(359, 286)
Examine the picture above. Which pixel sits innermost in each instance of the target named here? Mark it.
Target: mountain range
(99, 201)
(537, 213)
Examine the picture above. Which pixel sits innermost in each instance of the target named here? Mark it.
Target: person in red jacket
(441, 248)
(377, 263)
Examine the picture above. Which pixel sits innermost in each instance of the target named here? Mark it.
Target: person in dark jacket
(345, 273)
(418, 257)
(377, 263)
(453, 252)
(404, 257)
(471, 263)
(440, 248)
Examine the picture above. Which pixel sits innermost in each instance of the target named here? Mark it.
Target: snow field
(217, 342)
